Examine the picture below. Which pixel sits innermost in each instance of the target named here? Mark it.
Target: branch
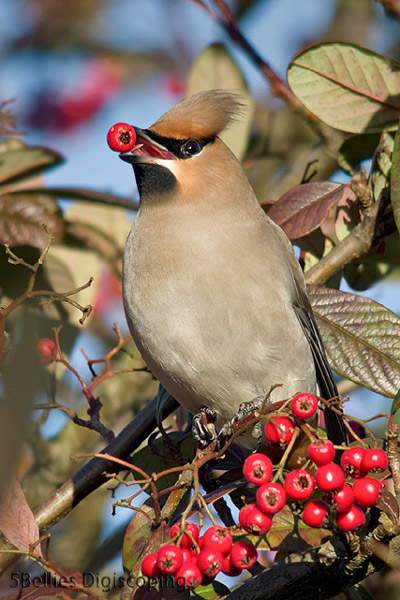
(278, 87)
(327, 570)
(357, 244)
(92, 475)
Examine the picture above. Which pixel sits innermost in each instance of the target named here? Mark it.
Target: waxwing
(214, 296)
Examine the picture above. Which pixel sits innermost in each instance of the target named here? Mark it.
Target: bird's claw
(203, 429)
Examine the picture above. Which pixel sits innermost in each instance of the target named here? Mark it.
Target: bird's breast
(204, 309)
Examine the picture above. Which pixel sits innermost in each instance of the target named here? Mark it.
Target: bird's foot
(246, 412)
(203, 427)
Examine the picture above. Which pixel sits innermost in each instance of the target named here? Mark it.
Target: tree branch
(357, 244)
(321, 572)
(92, 475)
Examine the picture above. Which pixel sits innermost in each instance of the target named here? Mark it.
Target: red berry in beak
(121, 137)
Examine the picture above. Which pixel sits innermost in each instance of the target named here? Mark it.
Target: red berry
(47, 350)
(169, 559)
(187, 556)
(257, 522)
(374, 460)
(304, 406)
(315, 512)
(149, 566)
(257, 468)
(347, 521)
(271, 497)
(366, 491)
(342, 499)
(121, 137)
(299, 485)
(329, 477)
(210, 561)
(243, 512)
(186, 541)
(243, 555)
(321, 452)
(228, 568)
(188, 576)
(279, 431)
(218, 538)
(351, 461)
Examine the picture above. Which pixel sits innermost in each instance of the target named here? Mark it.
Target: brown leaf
(17, 522)
(388, 504)
(305, 207)
(22, 218)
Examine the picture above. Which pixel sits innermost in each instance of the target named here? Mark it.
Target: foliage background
(76, 68)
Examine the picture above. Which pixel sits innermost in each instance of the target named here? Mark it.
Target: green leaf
(355, 149)
(152, 462)
(395, 179)
(215, 68)
(25, 162)
(358, 592)
(381, 165)
(139, 535)
(289, 534)
(213, 591)
(348, 87)
(361, 338)
(22, 218)
(395, 404)
(82, 194)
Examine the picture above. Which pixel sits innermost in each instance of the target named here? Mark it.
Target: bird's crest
(201, 116)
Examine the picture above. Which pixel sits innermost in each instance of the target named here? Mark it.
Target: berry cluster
(280, 430)
(348, 502)
(195, 560)
(323, 498)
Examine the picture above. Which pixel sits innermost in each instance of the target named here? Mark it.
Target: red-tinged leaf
(348, 87)
(395, 179)
(361, 338)
(22, 218)
(17, 522)
(304, 208)
(25, 162)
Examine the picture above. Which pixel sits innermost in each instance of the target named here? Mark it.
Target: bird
(214, 295)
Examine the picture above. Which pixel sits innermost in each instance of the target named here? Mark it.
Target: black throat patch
(154, 180)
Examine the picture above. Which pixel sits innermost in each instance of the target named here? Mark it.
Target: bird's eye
(191, 147)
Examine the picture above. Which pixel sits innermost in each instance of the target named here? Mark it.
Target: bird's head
(174, 156)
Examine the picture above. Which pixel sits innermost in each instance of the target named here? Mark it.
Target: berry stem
(282, 462)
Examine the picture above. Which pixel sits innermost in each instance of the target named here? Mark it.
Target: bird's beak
(146, 149)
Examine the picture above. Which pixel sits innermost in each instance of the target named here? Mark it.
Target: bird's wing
(327, 387)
